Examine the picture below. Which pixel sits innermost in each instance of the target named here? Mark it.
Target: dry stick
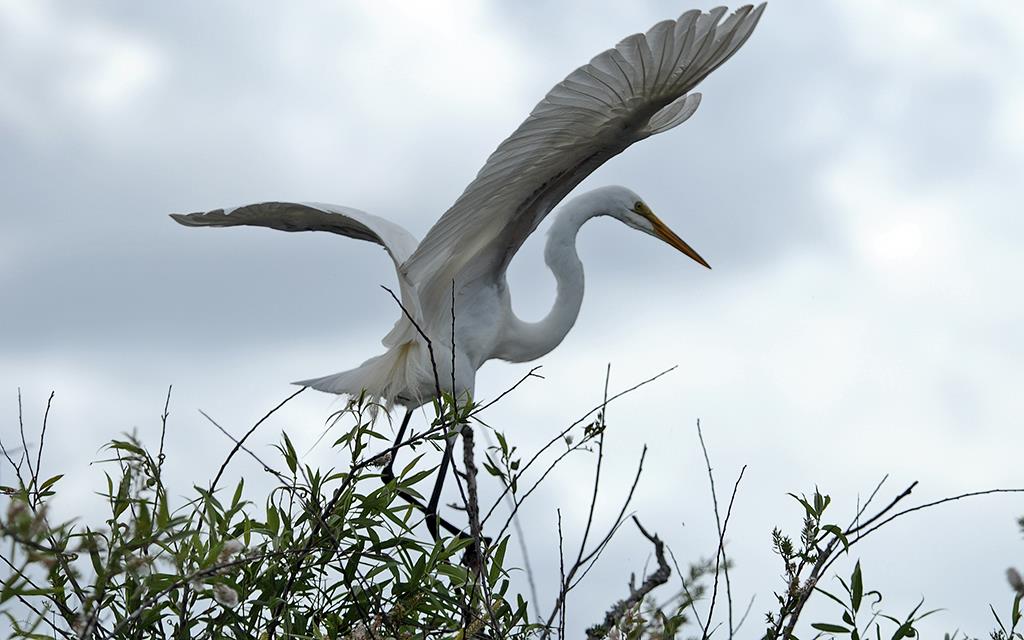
(561, 576)
(725, 561)
(430, 344)
(160, 490)
(889, 507)
(972, 494)
(600, 459)
(636, 596)
(591, 558)
(864, 507)
(720, 554)
(686, 590)
(743, 618)
(517, 502)
(562, 434)
(938, 502)
(532, 373)
(42, 440)
(238, 445)
(472, 503)
(24, 445)
(10, 460)
(593, 555)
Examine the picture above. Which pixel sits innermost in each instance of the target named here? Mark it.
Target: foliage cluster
(341, 553)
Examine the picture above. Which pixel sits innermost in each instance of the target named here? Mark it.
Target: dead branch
(636, 595)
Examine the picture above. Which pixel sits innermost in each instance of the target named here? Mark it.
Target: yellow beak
(663, 231)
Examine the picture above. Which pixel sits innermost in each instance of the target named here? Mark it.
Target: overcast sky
(853, 175)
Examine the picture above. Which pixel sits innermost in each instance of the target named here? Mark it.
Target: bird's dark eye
(638, 206)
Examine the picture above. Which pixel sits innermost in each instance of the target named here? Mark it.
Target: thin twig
(743, 618)
(590, 559)
(42, 440)
(686, 589)
(906, 492)
(532, 373)
(430, 344)
(241, 442)
(721, 554)
(597, 467)
(24, 445)
(572, 426)
(718, 525)
(163, 435)
(561, 577)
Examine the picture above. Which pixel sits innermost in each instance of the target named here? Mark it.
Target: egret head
(633, 211)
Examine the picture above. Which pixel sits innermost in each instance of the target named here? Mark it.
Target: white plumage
(641, 87)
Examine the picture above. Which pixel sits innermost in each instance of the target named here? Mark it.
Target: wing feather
(345, 221)
(636, 89)
(310, 216)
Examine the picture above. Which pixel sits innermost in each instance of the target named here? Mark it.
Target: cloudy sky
(853, 175)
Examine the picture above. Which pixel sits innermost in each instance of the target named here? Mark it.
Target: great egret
(628, 93)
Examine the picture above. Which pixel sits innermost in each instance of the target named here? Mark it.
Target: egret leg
(435, 496)
(388, 474)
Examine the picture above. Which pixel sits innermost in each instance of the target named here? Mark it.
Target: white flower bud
(225, 596)
(1013, 577)
(230, 548)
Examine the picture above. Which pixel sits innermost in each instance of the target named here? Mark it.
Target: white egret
(641, 87)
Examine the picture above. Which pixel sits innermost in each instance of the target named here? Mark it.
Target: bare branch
(636, 595)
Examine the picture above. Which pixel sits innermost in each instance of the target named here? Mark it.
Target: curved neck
(530, 340)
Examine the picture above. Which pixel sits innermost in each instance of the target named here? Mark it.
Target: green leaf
(906, 630)
(121, 500)
(290, 457)
(458, 575)
(803, 501)
(50, 482)
(163, 514)
(496, 562)
(238, 493)
(856, 587)
(838, 533)
(830, 628)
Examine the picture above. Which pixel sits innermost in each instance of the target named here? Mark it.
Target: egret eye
(641, 209)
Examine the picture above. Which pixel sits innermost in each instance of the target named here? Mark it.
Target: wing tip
(188, 219)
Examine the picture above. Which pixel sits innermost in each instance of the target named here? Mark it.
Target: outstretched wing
(346, 221)
(310, 216)
(639, 88)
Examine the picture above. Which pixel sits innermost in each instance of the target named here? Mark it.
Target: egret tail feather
(391, 378)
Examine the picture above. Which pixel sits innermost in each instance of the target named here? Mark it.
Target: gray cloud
(850, 174)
